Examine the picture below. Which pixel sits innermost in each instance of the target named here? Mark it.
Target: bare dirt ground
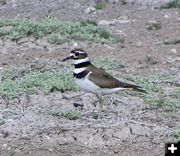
(130, 127)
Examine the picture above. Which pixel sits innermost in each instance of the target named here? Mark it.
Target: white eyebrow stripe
(79, 70)
(81, 60)
(81, 52)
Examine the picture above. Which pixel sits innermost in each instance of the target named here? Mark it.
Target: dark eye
(77, 54)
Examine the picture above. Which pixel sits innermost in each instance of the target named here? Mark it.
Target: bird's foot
(95, 103)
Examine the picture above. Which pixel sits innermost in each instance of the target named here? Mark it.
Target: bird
(96, 80)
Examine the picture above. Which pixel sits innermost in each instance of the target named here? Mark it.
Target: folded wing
(103, 79)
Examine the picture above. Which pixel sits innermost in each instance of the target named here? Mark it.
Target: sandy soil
(130, 127)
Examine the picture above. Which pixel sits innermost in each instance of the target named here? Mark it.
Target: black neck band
(83, 64)
(81, 74)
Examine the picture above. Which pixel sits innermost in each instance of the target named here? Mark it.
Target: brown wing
(103, 79)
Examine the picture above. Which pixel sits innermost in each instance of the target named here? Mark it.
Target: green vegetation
(70, 115)
(177, 134)
(172, 41)
(157, 97)
(17, 81)
(48, 81)
(149, 59)
(14, 82)
(100, 6)
(107, 63)
(12, 153)
(171, 4)
(2, 121)
(153, 26)
(146, 82)
(57, 32)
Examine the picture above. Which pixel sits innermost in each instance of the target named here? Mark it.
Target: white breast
(88, 86)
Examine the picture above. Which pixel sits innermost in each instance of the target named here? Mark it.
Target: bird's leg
(95, 103)
(100, 105)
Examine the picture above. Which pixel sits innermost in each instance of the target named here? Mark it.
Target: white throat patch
(81, 60)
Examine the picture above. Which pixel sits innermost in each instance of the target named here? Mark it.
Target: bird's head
(76, 54)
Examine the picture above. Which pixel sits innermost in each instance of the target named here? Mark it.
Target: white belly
(88, 86)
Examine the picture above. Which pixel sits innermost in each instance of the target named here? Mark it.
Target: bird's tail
(131, 86)
(138, 89)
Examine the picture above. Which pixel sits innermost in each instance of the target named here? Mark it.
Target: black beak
(67, 58)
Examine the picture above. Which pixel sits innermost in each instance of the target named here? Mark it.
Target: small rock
(166, 16)
(90, 10)
(116, 150)
(123, 21)
(172, 41)
(124, 17)
(120, 32)
(50, 150)
(75, 45)
(4, 146)
(112, 22)
(153, 25)
(139, 44)
(172, 59)
(105, 22)
(173, 50)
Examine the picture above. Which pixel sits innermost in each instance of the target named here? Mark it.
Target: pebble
(153, 25)
(166, 16)
(124, 17)
(4, 146)
(50, 150)
(75, 45)
(173, 51)
(90, 10)
(152, 22)
(105, 22)
(112, 22)
(139, 44)
(116, 150)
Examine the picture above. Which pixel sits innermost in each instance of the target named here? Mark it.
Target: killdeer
(93, 79)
